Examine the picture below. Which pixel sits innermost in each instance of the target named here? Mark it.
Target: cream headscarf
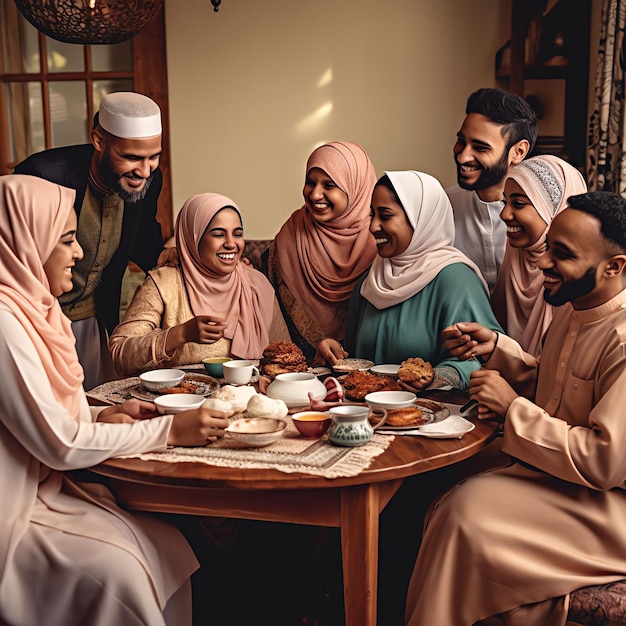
(244, 298)
(394, 280)
(321, 262)
(517, 296)
(32, 218)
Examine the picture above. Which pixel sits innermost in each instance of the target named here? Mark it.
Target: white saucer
(385, 370)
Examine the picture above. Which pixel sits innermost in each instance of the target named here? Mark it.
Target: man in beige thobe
(510, 545)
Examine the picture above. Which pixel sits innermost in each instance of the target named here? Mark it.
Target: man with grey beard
(499, 131)
(117, 182)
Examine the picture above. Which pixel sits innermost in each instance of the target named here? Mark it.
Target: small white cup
(239, 372)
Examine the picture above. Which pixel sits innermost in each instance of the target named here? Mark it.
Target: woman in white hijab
(536, 191)
(418, 284)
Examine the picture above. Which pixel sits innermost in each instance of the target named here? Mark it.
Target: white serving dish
(385, 370)
(294, 388)
(177, 402)
(257, 432)
(390, 399)
(161, 379)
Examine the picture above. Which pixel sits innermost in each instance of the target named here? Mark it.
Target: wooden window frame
(149, 76)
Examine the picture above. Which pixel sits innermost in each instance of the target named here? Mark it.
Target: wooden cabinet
(547, 61)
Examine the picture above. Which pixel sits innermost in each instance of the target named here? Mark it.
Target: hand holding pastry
(415, 374)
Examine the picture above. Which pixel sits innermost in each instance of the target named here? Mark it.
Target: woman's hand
(128, 412)
(197, 427)
(493, 393)
(199, 329)
(329, 350)
(466, 340)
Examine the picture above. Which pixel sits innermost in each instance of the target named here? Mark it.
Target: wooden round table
(352, 503)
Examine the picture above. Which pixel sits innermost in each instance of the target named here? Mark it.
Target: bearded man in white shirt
(499, 131)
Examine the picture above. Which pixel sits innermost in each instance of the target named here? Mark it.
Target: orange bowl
(311, 424)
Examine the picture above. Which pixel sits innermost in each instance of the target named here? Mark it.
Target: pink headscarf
(244, 298)
(518, 295)
(32, 218)
(321, 262)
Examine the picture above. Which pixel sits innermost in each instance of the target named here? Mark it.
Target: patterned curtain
(606, 148)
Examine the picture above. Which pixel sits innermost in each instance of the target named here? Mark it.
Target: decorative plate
(433, 411)
(201, 384)
(349, 365)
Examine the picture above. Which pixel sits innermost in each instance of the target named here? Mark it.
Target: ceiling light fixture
(90, 21)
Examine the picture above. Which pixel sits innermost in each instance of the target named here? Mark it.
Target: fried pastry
(416, 370)
(282, 357)
(358, 384)
(407, 416)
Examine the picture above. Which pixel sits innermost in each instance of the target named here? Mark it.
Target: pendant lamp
(89, 21)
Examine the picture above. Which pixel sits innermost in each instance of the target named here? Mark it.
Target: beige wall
(256, 87)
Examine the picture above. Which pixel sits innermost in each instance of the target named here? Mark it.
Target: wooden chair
(253, 250)
(600, 605)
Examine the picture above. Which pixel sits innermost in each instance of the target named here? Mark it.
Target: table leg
(360, 508)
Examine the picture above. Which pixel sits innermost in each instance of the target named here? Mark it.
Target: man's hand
(493, 393)
(169, 257)
(466, 340)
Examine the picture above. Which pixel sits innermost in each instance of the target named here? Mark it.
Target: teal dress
(413, 328)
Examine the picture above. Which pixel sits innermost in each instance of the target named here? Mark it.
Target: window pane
(19, 41)
(26, 134)
(64, 57)
(112, 58)
(102, 87)
(68, 113)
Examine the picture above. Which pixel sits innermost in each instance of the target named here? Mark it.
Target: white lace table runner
(289, 454)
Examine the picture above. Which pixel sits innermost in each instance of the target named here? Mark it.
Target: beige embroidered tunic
(160, 303)
(551, 522)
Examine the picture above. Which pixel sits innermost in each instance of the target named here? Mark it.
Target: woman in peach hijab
(536, 190)
(324, 247)
(69, 555)
(212, 305)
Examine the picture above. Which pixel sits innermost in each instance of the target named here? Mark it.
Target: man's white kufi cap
(130, 115)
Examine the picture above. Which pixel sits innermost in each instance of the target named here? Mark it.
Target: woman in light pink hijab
(69, 555)
(536, 190)
(213, 305)
(324, 247)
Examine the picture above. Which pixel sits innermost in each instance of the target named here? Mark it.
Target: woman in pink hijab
(69, 556)
(324, 247)
(536, 190)
(212, 305)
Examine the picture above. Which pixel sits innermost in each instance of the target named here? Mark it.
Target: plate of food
(420, 413)
(350, 365)
(357, 384)
(199, 384)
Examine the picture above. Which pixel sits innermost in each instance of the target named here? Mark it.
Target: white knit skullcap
(130, 115)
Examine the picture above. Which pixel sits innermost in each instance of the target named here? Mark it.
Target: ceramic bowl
(161, 379)
(294, 388)
(390, 399)
(257, 432)
(312, 424)
(214, 365)
(177, 402)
